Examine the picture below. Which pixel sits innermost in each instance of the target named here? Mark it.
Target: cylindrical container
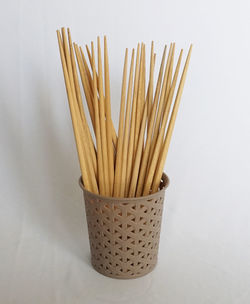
(124, 233)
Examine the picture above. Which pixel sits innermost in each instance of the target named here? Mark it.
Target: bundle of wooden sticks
(130, 164)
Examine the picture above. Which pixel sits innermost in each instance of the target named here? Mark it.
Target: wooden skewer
(109, 119)
(157, 90)
(118, 164)
(90, 61)
(90, 57)
(87, 71)
(86, 89)
(114, 135)
(143, 82)
(136, 166)
(87, 81)
(169, 81)
(137, 161)
(162, 158)
(68, 60)
(83, 158)
(170, 72)
(152, 97)
(159, 80)
(75, 77)
(147, 100)
(113, 132)
(97, 128)
(139, 104)
(103, 122)
(126, 130)
(157, 148)
(132, 124)
(80, 105)
(152, 100)
(84, 137)
(155, 134)
(145, 157)
(151, 80)
(72, 110)
(88, 84)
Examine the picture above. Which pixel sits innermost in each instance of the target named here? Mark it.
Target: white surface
(205, 241)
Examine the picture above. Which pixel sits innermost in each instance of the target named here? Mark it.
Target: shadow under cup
(124, 233)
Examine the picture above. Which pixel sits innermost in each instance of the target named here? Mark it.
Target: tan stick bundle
(130, 164)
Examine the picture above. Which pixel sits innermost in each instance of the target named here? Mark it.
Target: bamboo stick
(118, 164)
(159, 80)
(136, 165)
(158, 145)
(170, 73)
(139, 104)
(145, 157)
(152, 97)
(155, 134)
(113, 132)
(87, 71)
(132, 124)
(143, 82)
(97, 128)
(84, 137)
(85, 86)
(89, 56)
(103, 122)
(75, 77)
(83, 158)
(151, 79)
(80, 105)
(67, 57)
(169, 81)
(89, 98)
(162, 158)
(158, 87)
(126, 129)
(109, 119)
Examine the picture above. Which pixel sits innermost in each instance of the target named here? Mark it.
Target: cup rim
(126, 199)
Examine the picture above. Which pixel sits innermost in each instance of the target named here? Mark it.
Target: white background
(205, 242)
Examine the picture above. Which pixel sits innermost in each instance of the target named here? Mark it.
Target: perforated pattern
(124, 233)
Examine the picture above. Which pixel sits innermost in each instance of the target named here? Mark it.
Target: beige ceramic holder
(124, 233)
